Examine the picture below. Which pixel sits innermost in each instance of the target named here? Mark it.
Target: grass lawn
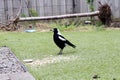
(97, 53)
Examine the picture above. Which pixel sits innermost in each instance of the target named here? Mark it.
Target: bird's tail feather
(70, 44)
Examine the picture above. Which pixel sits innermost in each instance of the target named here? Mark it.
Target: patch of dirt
(51, 59)
(115, 24)
(112, 28)
(43, 27)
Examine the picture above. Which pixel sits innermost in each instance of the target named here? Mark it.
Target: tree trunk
(60, 16)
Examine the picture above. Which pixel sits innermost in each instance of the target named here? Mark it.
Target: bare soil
(51, 59)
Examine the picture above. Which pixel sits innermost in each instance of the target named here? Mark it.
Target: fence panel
(9, 8)
(2, 10)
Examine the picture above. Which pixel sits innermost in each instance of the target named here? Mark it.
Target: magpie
(60, 41)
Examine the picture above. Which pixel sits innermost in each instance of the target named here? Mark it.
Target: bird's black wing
(66, 41)
(70, 44)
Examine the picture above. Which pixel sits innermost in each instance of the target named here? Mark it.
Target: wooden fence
(9, 8)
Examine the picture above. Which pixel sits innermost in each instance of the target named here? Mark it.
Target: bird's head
(55, 30)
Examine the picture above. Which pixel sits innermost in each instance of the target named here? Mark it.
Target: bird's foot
(59, 53)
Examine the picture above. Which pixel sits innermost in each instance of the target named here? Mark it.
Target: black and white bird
(60, 41)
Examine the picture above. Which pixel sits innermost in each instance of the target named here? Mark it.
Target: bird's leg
(60, 53)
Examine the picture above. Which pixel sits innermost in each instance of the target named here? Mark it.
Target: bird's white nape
(59, 32)
(61, 38)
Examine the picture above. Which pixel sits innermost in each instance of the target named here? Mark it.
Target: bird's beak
(51, 30)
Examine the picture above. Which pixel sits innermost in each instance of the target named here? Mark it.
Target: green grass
(97, 52)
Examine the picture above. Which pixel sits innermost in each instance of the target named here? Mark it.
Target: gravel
(9, 63)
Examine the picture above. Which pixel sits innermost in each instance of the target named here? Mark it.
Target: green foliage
(33, 13)
(91, 8)
(99, 23)
(100, 28)
(63, 25)
(91, 5)
(67, 24)
(23, 15)
(90, 1)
